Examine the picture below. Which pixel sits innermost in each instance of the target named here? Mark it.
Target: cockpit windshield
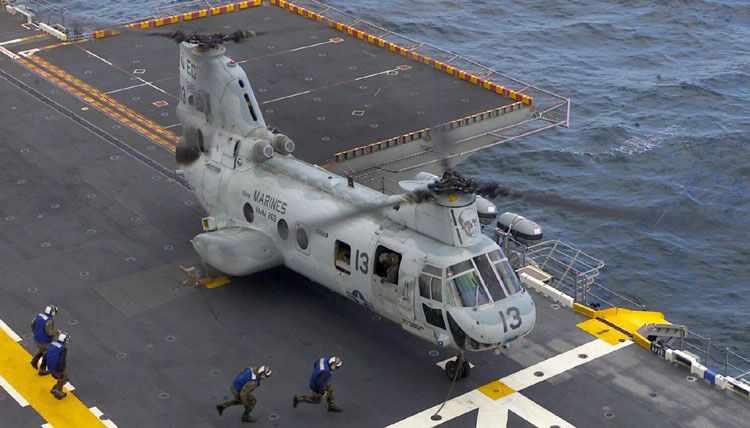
(480, 280)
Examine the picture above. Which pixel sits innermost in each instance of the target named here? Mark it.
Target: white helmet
(51, 310)
(63, 338)
(334, 362)
(264, 370)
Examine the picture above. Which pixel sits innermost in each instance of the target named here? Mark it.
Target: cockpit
(474, 282)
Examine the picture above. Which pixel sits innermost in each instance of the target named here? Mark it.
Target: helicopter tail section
(215, 94)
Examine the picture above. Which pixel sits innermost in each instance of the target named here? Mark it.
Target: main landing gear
(459, 367)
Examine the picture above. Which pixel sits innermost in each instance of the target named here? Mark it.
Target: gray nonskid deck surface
(342, 78)
(150, 352)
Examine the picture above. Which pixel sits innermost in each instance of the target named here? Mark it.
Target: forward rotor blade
(416, 197)
(544, 199)
(671, 219)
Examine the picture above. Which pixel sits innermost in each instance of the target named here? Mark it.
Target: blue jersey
(56, 356)
(321, 375)
(40, 333)
(245, 376)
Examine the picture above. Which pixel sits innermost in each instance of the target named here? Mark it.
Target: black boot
(247, 418)
(220, 409)
(295, 401)
(334, 409)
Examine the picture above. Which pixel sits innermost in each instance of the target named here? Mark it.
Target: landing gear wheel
(450, 369)
(465, 369)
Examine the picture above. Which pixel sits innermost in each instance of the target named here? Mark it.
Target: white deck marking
(9, 331)
(125, 89)
(287, 51)
(441, 364)
(12, 392)
(517, 381)
(8, 53)
(561, 363)
(98, 413)
(496, 413)
(97, 57)
(330, 86)
(47, 425)
(137, 78)
(172, 125)
(10, 42)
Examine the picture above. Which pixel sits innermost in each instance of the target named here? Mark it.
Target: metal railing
(574, 273)
(722, 360)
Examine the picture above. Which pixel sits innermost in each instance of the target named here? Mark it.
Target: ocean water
(660, 122)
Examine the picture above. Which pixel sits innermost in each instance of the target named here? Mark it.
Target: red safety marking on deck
(174, 19)
(160, 103)
(400, 49)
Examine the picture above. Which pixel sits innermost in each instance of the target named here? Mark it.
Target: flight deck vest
(40, 335)
(247, 375)
(53, 356)
(321, 367)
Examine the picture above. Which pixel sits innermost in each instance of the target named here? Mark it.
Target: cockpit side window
(508, 276)
(431, 283)
(496, 289)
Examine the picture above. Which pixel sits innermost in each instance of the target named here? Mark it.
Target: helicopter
(418, 259)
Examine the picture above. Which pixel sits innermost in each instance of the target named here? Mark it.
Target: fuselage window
(200, 141)
(343, 253)
(433, 316)
(242, 84)
(424, 286)
(431, 287)
(191, 100)
(283, 228)
(247, 210)
(387, 264)
(250, 107)
(302, 238)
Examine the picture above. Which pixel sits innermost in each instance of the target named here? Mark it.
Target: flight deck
(96, 221)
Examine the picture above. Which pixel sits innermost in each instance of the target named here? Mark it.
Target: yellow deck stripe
(88, 93)
(15, 368)
(105, 98)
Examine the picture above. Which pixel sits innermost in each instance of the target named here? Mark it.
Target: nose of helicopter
(488, 327)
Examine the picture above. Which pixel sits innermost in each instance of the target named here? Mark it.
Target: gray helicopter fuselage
(266, 208)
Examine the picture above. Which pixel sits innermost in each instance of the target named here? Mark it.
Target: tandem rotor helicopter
(418, 259)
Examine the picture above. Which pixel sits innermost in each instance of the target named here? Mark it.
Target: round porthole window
(248, 211)
(302, 239)
(283, 229)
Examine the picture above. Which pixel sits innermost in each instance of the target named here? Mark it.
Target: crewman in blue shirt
(57, 354)
(320, 383)
(242, 389)
(43, 329)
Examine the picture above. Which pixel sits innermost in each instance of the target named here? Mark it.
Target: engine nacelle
(238, 251)
(486, 211)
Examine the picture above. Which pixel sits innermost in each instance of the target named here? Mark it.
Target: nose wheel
(457, 368)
